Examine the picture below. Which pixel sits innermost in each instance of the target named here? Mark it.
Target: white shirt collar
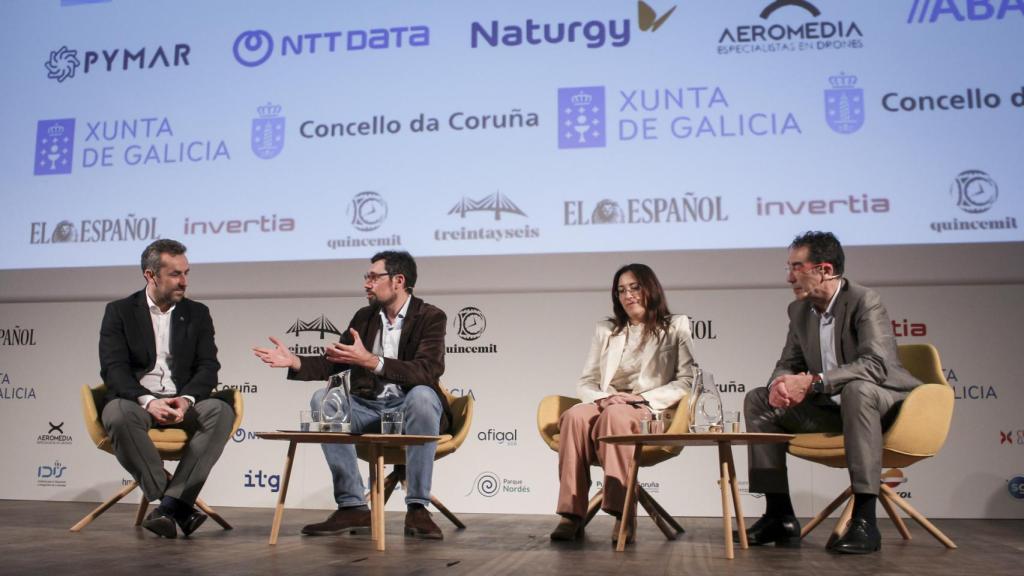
(153, 308)
(831, 303)
(399, 319)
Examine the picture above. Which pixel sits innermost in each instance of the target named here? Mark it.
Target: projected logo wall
(494, 207)
(795, 27)
(974, 192)
(64, 62)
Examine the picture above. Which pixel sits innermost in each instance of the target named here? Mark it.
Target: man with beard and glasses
(158, 360)
(394, 348)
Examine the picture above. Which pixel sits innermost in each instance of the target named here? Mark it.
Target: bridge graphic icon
(496, 203)
(320, 324)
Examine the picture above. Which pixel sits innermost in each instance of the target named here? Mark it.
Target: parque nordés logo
(491, 210)
(489, 484)
(64, 62)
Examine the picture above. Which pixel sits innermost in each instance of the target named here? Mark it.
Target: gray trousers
(864, 412)
(209, 425)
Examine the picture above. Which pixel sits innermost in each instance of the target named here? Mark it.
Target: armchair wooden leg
(593, 506)
(888, 492)
(140, 514)
(390, 482)
(662, 513)
(901, 527)
(103, 507)
(212, 514)
(648, 503)
(844, 521)
(848, 493)
(447, 513)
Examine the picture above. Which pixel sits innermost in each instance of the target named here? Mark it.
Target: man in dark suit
(395, 350)
(839, 372)
(159, 363)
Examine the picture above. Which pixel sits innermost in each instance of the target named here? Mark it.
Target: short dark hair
(151, 255)
(399, 262)
(822, 247)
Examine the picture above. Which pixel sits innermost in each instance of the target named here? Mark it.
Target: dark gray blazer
(865, 346)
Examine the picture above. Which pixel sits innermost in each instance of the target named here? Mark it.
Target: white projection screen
(522, 151)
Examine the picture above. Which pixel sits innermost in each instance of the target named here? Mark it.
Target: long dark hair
(656, 316)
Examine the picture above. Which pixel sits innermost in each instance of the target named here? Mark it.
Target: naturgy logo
(591, 33)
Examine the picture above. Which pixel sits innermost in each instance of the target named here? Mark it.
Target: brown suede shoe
(342, 519)
(569, 528)
(419, 524)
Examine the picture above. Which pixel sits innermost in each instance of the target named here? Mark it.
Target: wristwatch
(817, 384)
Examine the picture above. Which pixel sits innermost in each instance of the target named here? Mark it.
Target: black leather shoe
(193, 521)
(783, 531)
(862, 537)
(160, 523)
(339, 521)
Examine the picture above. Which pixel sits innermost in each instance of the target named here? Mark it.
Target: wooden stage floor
(34, 539)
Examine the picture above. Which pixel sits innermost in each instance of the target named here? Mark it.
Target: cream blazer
(666, 372)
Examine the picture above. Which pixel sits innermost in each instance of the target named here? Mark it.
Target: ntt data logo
(931, 11)
(253, 48)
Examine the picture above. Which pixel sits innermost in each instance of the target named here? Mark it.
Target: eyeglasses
(799, 266)
(372, 277)
(631, 289)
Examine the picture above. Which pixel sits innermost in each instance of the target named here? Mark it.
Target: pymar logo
(470, 323)
(975, 191)
(929, 11)
(52, 476)
(581, 117)
(844, 104)
(268, 131)
(55, 146)
(368, 211)
(1016, 487)
(63, 62)
(496, 203)
(254, 47)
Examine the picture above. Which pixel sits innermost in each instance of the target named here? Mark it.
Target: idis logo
(52, 476)
(261, 480)
(930, 11)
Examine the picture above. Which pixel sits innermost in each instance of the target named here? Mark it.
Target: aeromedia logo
(795, 27)
(64, 62)
(255, 47)
(55, 435)
(592, 34)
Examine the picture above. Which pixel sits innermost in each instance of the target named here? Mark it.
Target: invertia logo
(904, 328)
(821, 207)
(261, 224)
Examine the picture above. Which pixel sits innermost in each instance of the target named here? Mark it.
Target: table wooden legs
(377, 495)
(629, 506)
(279, 510)
(730, 486)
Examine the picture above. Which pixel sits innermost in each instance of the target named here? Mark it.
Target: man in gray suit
(839, 372)
(159, 363)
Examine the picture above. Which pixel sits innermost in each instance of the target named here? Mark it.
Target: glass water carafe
(336, 410)
(705, 403)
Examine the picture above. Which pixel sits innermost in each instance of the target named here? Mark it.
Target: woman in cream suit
(639, 362)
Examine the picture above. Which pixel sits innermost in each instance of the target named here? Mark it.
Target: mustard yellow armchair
(170, 442)
(462, 419)
(549, 412)
(918, 432)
